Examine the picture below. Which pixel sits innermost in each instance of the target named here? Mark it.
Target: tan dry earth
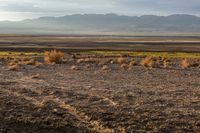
(56, 99)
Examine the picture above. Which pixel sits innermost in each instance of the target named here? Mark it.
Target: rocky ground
(56, 99)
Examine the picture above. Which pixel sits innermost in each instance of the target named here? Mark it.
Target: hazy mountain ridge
(103, 23)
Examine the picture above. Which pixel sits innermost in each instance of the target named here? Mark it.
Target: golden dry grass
(73, 67)
(147, 62)
(166, 63)
(30, 62)
(87, 60)
(121, 60)
(185, 63)
(90, 60)
(125, 66)
(105, 67)
(132, 63)
(14, 67)
(79, 61)
(53, 57)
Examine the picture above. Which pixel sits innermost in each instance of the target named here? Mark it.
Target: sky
(26, 9)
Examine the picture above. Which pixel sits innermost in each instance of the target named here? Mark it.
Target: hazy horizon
(28, 9)
(97, 14)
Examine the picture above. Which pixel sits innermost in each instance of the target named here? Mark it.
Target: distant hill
(100, 23)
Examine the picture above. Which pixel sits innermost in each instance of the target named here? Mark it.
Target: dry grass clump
(13, 67)
(105, 67)
(87, 60)
(121, 60)
(166, 63)
(132, 63)
(147, 62)
(53, 57)
(185, 63)
(12, 63)
(35, 76)
(73, 67)
(30, 62)
(125, 66)
(79, 61)
(91, 60)
(38, 64)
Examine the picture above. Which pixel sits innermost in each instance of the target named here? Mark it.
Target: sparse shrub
(166, 63)
(147, 62)
(87, 60)
(13, 67)
(185, 63)
(121, 60)
(105, 67)
(124, 66)
(80, 61)
(35, 76)
(12, 63)
(90, 60)
(30, 62)
(53, 57)
(73, 67)
(37, 64)
(132, 63)
(101, 63)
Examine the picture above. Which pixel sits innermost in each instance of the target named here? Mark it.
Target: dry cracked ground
(56, 99)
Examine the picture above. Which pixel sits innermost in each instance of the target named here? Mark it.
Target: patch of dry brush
(53, 57)
(121, 60)
(13, 67)
(185, 63)
(148, 62)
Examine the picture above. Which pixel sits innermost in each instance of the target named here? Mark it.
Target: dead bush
(79, 61)
(30, 62)
(166, 63)
(90, 60)
(132, 63)
(38, 64)
(87, 60)
(185, 63)
(105, 67)
(12, 63)
(147, 62)
(73, 67)
(13, 67)
(53, 57)
(121, 60)
(35, 76)
(125, 66)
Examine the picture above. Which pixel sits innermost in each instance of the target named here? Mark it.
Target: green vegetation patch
(16, 54)
(156, 54)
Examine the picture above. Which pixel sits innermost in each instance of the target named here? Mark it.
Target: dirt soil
(56, 99)
(87, 43)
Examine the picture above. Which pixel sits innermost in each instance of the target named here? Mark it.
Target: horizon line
(99, 14)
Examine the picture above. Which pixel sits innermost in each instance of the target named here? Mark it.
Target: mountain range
(102, 23)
